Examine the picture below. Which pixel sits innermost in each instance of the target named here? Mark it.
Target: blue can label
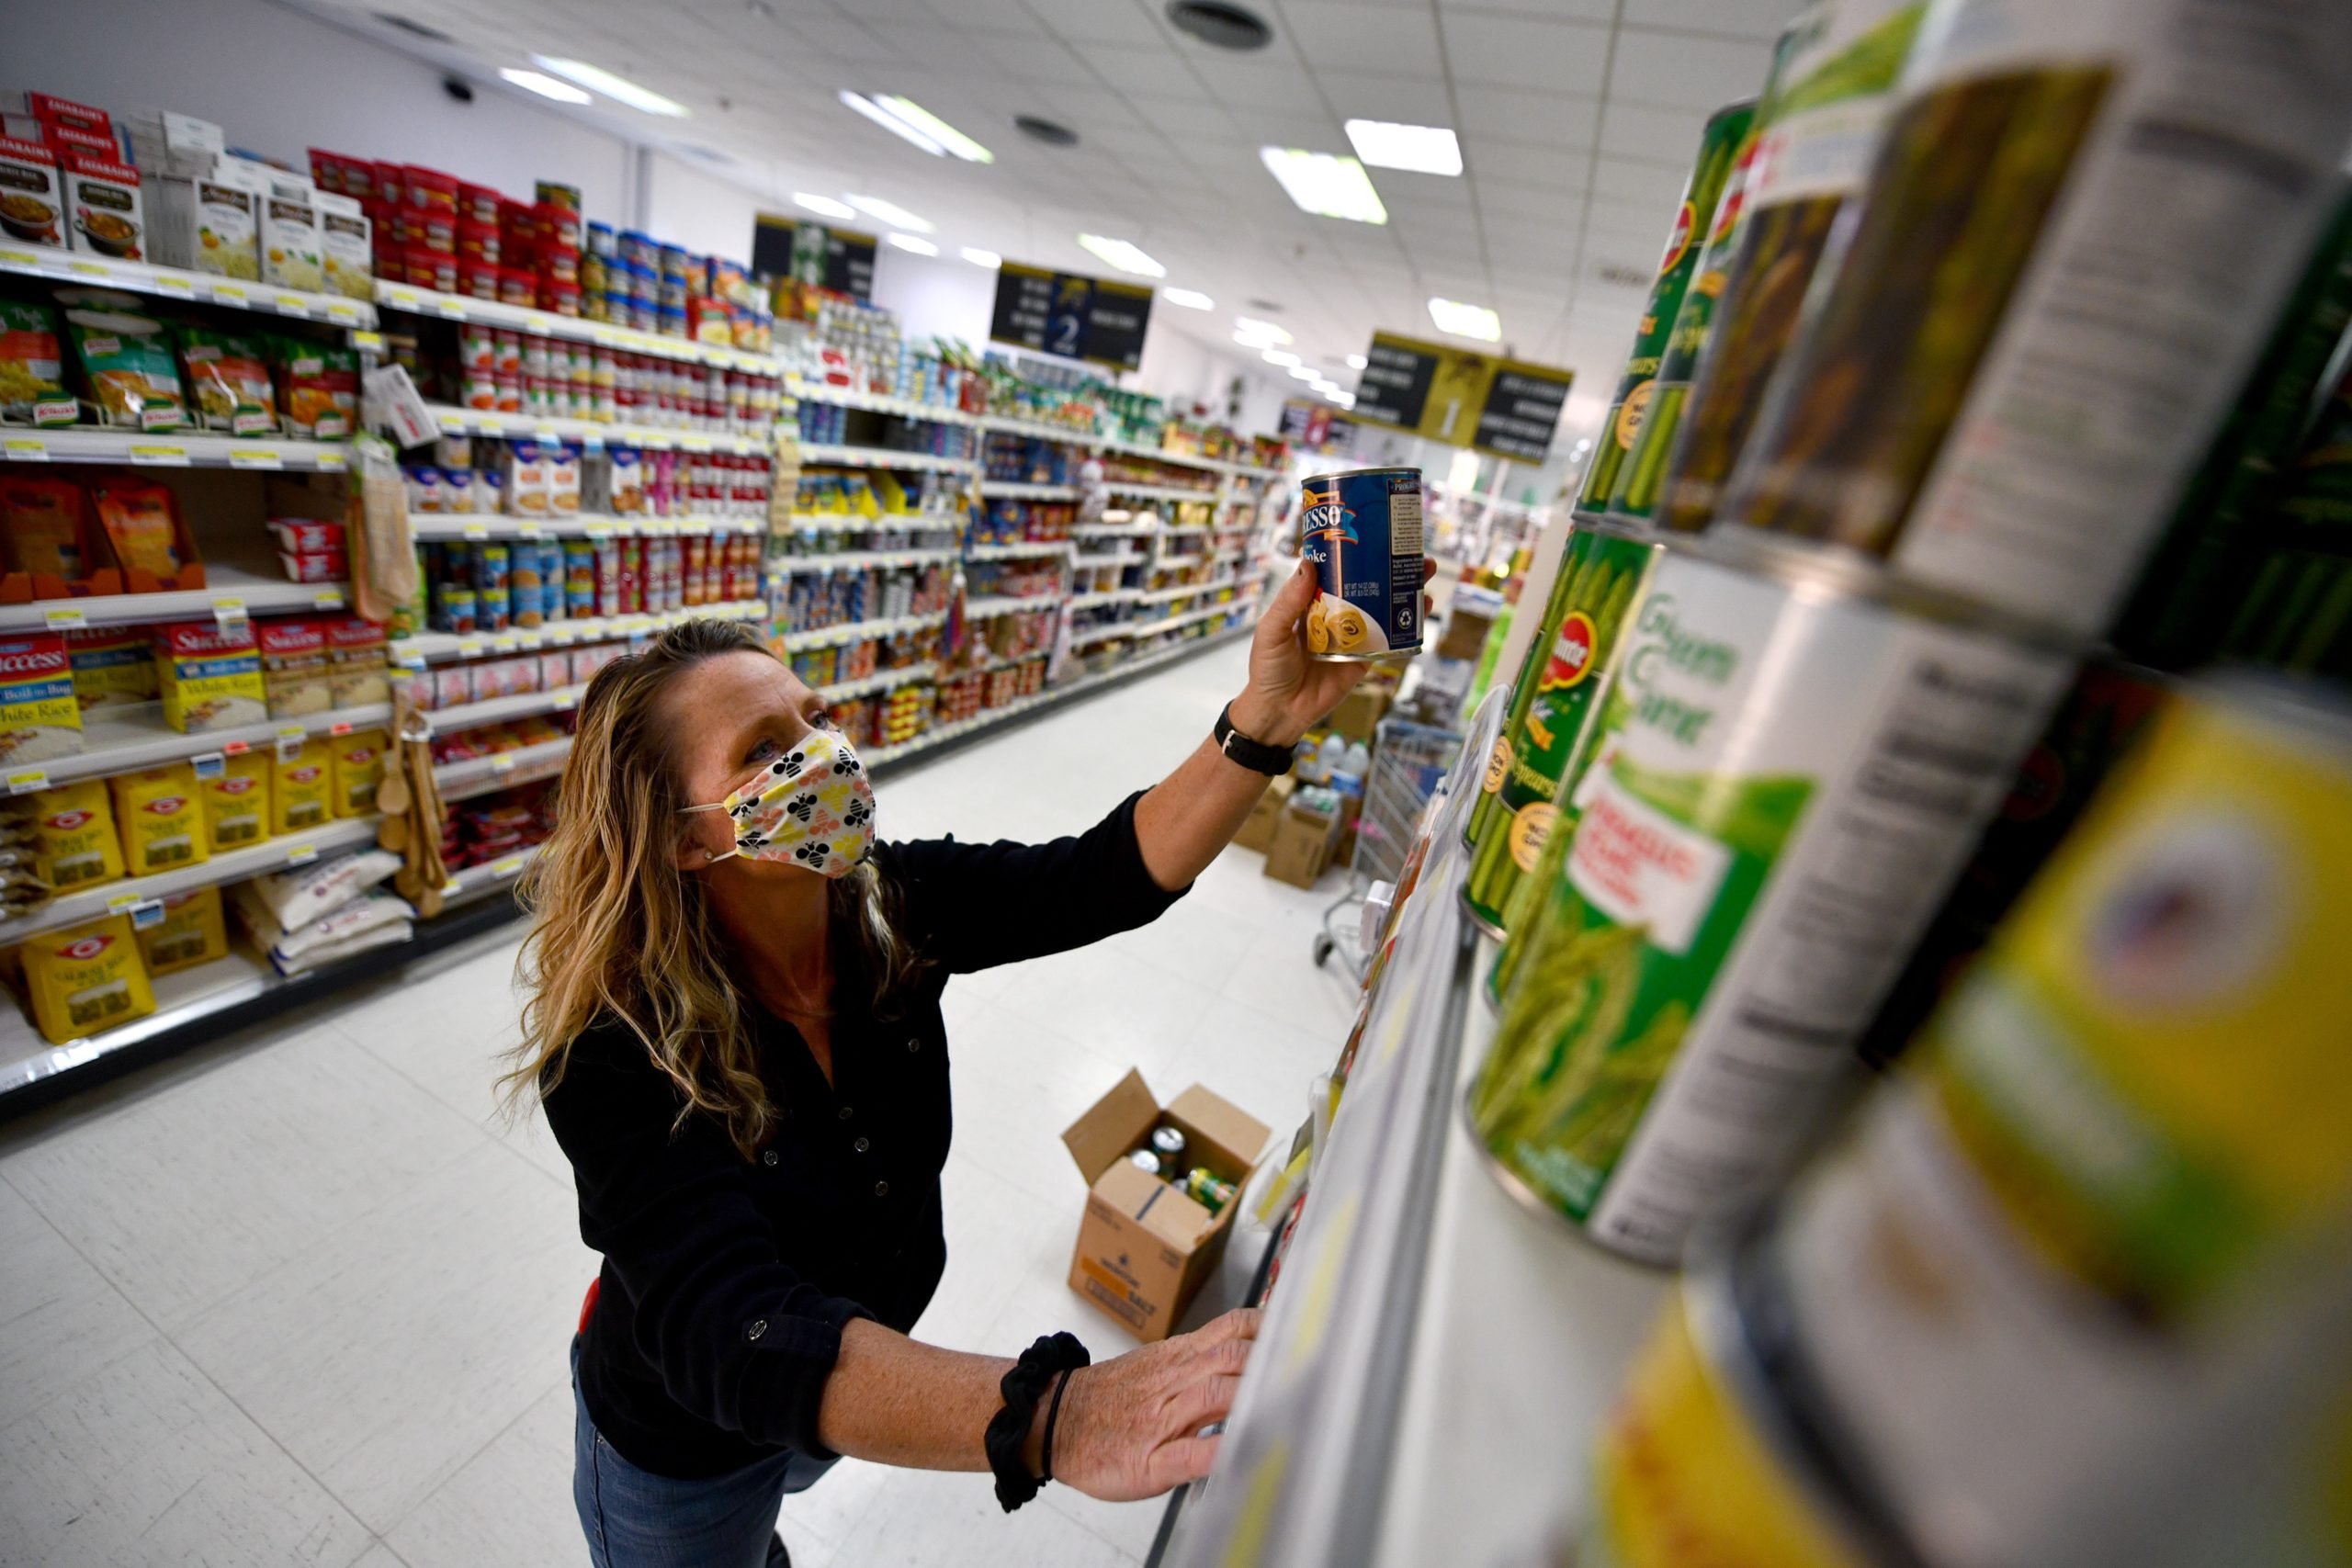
(1362, 531)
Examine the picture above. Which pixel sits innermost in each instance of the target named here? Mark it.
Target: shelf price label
(291, 739)
(475, 530)
(449, 307)
(228, 293)
(301, 854)
(345, 312)
(508, 867)
(64, 617)
(327, 598)
(229, 615)
(331, 460)
(144, 912)
(563, 702)
(209, 766)
(25, 448)
(368, 342)
(158, 455)
(24, 780)
(293, 305)
(502, 764)
(256, 458)
(171, 283)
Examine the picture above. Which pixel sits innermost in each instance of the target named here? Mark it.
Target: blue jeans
(634, 1518)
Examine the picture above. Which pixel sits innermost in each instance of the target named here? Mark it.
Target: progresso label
(1071, 316)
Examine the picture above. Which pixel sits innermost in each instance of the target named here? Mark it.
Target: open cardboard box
(1144, 1247)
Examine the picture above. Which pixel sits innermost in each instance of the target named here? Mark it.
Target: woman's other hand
(1129, 1427)
(1289, 694)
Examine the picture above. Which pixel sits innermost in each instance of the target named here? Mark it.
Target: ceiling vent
(410, 25)
(1045, 130)
(1219, 24)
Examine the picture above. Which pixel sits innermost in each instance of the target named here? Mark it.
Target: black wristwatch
(1255, 755)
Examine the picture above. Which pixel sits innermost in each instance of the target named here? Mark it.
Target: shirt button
(846, 1113)
(913, 1046)
(860, 1146)
(881, 1190)
(759, 1326)
(768, 1158)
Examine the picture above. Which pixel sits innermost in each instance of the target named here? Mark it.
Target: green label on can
(1523, 690)
(1568, 672)
(1719, 145)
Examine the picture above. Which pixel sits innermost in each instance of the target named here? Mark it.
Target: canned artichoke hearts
(1362, 531)
(1821, 124)
(1602, 573)
(1685, 1474)
(1718, 146)
(2022, 353)
(1785, 781)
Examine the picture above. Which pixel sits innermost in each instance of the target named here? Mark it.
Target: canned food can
(1362, 529)
(697, 558)
(1168, 1145)
(509, 390)
(1719, 145)
(1142, 1159)
(2010, 412)
(552, 579)
(507, 348)
(1789, 771)
(1572, 662)
(608, 577)
(492, 567)
(579, 578)
(632, 576)
(1821, 128)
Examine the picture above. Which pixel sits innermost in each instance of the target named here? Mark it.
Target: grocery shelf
(426, 647)
(1116, 530)
(857, 631)
(478, 775)
(1184, 591)
(1116, 558)
(883, 457)
(497, 710)
(171, 449)
(1016, 490)
(578, 328)
(1036, 430)
(479, 879)
(1017, 552)
(592, 436)
(1162, 493)
(880, 681)
(228, 595)
(1111, 596)
(855, 560)
(231, 865)
(125, 740)
(844, 523)
(873, 402)
(1152, 628)
(581, 524)
(1009, 604)
(1195, 530)
(1086, 636)
(174, 283)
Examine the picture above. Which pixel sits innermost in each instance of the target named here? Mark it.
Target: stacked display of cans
(494, 586)
(1813, 809)
(810, 601)
(505, 371)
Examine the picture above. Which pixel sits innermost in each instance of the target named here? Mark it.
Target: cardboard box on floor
(1301, 846)
(1258, 830)
(1144, 1247)
(1359, 713)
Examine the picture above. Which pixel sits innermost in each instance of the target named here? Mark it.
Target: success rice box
(209, 676)
(39, 717)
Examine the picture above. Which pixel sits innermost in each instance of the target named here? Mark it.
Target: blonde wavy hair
(619, 932)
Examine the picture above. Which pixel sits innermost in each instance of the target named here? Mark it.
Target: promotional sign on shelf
(1074, 317)
(1506, 408)
(838, 259)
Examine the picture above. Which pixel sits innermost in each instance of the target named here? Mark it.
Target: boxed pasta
(301, 787)
(102, 204)
(192, 931)
(73, 837)
(160, 819)
(32, 366)
(358, 768)
(32, 204)
(39, 715)
(236, 801)
(346, 246)
(209, 676)
(86, 978)
(357, 664)
(113, 666)
(293, 667)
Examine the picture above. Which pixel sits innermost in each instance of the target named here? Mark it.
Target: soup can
(1793, 763)
(1362, 529)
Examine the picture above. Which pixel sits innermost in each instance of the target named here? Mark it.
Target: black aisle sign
(1521, 412)
(1431, 390)
(838, 259)
(1395, 384)
(1074, 317)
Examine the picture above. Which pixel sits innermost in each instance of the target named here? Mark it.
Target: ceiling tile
(1303, 125)
(987, 16)
(1629, 179)
(1491, 158)
(1747, 18)
(1253, 82)
(1357, 95)
(1605, 215)
(1345, 36)
(1036, 59)
(1678, 70)
(1499, 202)
(1099, 21)
(1422, 193)
(1549, 119)
(1575, 10)
(1525, 52)
(1642, 131)
(1185, 118)
(1128, 70)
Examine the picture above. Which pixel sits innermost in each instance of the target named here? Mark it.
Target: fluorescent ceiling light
(916, 244)
(891, 212)
(1357, 362)
(1123, 256)
(545, 85)
(1248, 329)
(620, 89)
(1466, 321)
(1281, 357)
(1324, 184)
(891, 122)
(1191, 298)
(1305, 373)
(1422, 149)
(823, 204)
(914, 114)
(1345, 400)
(979, 257)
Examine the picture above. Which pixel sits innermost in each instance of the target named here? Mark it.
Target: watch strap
(1256, 755)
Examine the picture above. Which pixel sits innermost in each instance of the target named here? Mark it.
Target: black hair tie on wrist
(1024, 1386)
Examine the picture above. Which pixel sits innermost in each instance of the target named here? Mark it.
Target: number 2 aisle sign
(1504, 407)
(1074, 317)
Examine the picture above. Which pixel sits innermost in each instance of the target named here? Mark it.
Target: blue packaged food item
(1362, 531)
(579, 578)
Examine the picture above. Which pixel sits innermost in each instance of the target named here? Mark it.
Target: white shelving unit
(1014, 489)
(873, 402)
(430, 646)
(232, 866)
(173, 283)
(1036, 430)
(592, 436)
(890, 521)
(498, 710)
(576, 329)
(880, 681)
(478, 879)
(125, 740)
(1185, 590)
(1032, 550)
(478, 775)
(1112, 596)
(1161, 492)
(1011, 605)
(858, 631)
(229, 593)
(173, 449)
(1116, 530)
(582, 525)
(856, 560)
(882, 458)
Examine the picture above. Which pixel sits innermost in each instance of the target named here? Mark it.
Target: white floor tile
(1111, 1003)
(922, 1518)
(146, 1461)
(380, 1556)
(387, 1355)
(1017, 1085)
(509, 1504)
(998, 1234)
(60, 1321)
(185, 1196)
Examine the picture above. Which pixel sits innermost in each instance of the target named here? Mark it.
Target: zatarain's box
(86, 978)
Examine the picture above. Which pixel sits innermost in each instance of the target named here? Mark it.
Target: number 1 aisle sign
(1071, 316)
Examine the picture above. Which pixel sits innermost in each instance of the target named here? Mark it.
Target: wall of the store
(280, 83)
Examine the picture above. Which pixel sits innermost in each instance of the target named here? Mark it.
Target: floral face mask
(811, 807)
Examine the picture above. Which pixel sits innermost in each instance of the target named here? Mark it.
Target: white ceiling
(1579, 119)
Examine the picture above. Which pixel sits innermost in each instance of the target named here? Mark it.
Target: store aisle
(300, 1297)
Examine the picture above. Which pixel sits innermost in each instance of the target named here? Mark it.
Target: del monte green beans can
(1787, 776)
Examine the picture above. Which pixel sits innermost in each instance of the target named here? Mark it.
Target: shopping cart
(1408, 759)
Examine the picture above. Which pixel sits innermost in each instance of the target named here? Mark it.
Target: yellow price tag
(293, 305)
(331, 460)
(64, 617)
(344, 310)
(173, 283)
(506, 867)
(27, 779)
(368, 342)
(256, 458)
(475, 530)
(158, 455)
(25, 448)
(327, 598)
(300, 854)
(228, 293)
(563, 702)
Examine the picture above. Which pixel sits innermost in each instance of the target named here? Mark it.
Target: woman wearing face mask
(734, 1028)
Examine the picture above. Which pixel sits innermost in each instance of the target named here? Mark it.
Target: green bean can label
(1785, 782)
(1602, 574)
